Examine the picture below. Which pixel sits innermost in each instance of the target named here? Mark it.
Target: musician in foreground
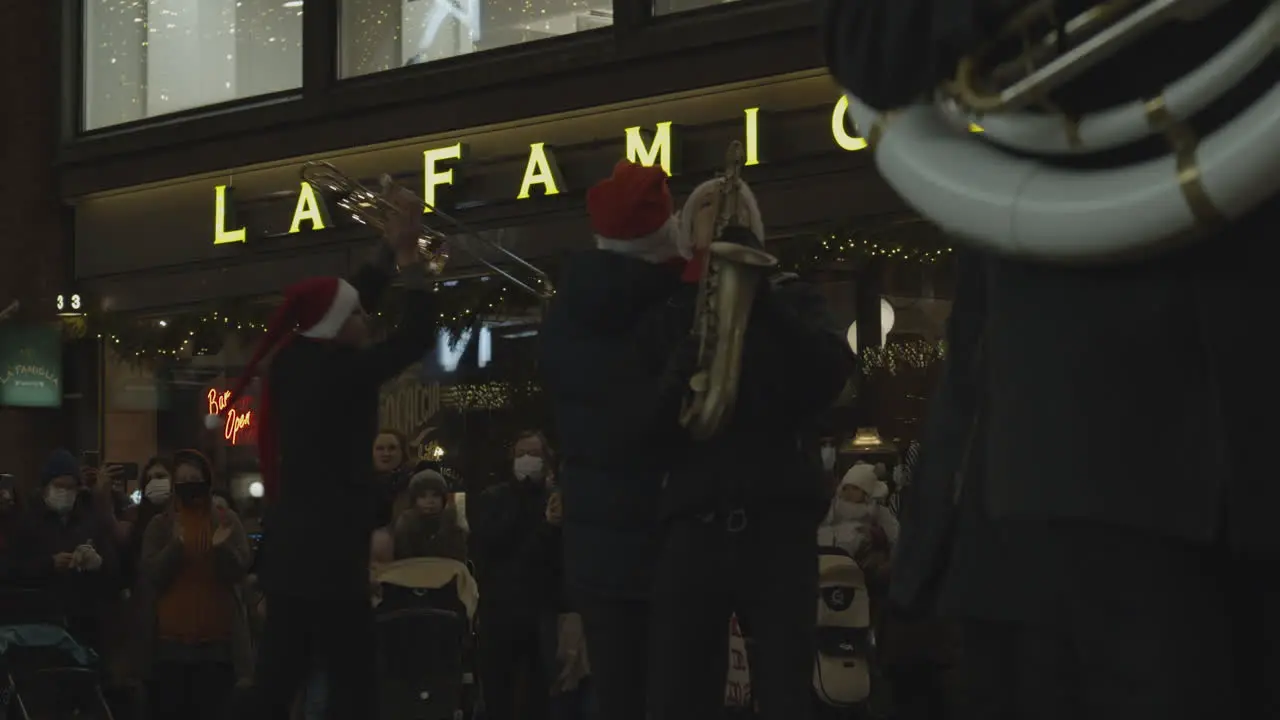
(1124, 270)
(615, 416)
(740, 510)
(314, 462)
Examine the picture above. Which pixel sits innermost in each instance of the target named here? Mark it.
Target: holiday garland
(460, 302)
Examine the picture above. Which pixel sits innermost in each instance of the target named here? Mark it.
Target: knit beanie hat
(428, 481)
(631, 213)
(61, 463)
(863, 477)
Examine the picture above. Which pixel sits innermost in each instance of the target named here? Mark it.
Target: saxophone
(725, 296)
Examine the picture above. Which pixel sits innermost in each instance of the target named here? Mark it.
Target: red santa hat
(748, 216)
(315, 308)
(631, 213)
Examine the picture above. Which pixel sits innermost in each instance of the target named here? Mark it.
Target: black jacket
(793, 368)
(606, 374)
(513, 546)
(324, 399)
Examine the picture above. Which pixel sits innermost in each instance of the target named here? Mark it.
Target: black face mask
(191, 492)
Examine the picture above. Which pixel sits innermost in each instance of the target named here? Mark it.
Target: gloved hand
(87, 558)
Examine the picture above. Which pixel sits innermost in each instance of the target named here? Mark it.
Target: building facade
(185, 125)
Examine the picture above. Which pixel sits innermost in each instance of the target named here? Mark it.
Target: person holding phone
(192, 639)
(66, 550)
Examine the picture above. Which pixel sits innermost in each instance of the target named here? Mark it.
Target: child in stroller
(425, 608)
(44, 673)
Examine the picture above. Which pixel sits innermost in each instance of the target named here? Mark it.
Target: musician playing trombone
(1121, 207)
(741, 508)
(315, 469)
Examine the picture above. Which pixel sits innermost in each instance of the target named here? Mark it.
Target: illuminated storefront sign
(658, 144)
(239, 424)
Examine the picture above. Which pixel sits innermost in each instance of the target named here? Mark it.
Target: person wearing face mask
(192, 640)
(66, 550)
(511, 539)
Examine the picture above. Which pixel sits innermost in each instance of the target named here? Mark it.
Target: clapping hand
(555, 509)
(63, 561)
(86, 557)
(223, 529)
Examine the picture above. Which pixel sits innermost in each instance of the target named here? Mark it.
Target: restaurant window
(378, 35)
(148, 58)
(669, 7)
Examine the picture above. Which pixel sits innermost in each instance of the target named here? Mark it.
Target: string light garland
(487, 396)
(203, 332)
(819, 252)
(896, 357)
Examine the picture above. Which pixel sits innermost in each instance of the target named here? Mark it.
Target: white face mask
(528, 467)
(159, 490)
(60, 500)
(828, 457)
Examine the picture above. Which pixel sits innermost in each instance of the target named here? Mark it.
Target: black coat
(324, 400)
(603, 365)
(514, 549)
(793, 368)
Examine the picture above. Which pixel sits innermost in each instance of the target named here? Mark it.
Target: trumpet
(434, 245)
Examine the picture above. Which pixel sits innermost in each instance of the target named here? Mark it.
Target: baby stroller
(44, 673)
(424, 638)
(841, 668)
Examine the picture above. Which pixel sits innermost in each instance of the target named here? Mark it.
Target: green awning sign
(30, 366)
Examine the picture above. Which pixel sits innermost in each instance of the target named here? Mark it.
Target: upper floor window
(146, 58)
(667, 7)
(380, 35)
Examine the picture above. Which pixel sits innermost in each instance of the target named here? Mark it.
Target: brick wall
(33, 242)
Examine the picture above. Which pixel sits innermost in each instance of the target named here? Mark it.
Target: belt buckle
(736, 522)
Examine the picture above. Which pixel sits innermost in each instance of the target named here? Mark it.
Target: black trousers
(332, 631)
(1012, 671)
(767, 573)
(189, 690)
(1167, 630)
(512, 681)
(618, 639)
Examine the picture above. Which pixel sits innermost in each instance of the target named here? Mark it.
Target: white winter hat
(863, 477)
(748, 212)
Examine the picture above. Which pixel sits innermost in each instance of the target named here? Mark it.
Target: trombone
(373, 208)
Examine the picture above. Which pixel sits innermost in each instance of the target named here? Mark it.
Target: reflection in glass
(667, 7)
(380, 35)
(145, 58)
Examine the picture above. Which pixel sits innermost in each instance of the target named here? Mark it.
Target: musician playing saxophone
(740, 510)
(1126, 415)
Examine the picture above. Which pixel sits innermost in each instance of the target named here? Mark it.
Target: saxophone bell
(726, 294)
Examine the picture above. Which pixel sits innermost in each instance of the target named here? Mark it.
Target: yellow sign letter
(224, 214)
(433, 178)
(842, 136)
(658, 152)
(310, 209)
(540, 170)
(752, 148)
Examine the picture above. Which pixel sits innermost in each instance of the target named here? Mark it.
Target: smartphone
(91, 458)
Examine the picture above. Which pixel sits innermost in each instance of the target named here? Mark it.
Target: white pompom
(212, 421)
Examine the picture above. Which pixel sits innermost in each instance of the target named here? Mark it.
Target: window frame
(636, 46)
